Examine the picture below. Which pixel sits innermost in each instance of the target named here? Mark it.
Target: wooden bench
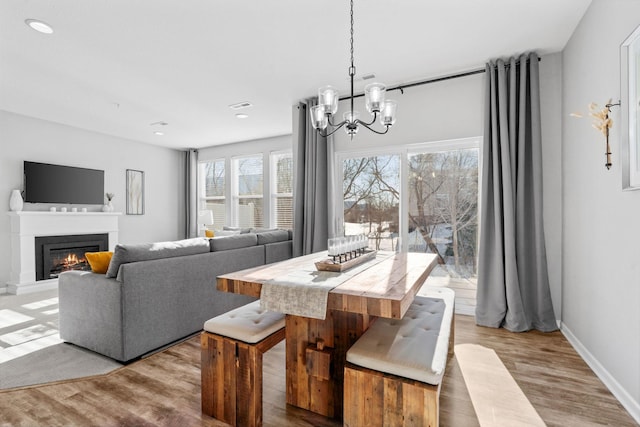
(394, 371)
(232, 347)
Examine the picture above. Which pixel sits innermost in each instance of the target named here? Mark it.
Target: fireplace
(57, 254)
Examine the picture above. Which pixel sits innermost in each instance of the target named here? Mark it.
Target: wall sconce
(603, 123)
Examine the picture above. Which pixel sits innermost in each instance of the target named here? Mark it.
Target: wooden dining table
(316, 348)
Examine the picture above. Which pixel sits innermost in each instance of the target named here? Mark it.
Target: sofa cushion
(415, 346)
(226, 233)
(233, 242)
(249, 323)
(147, 251)
(262, 230)
(272, 236)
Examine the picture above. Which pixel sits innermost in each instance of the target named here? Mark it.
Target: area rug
(496, 397)
(54, 363)
(31, 351)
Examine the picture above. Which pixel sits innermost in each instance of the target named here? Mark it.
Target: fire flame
(71, 260)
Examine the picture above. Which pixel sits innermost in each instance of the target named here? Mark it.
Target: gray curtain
(513, 284)
(310, 197)
(191, 193)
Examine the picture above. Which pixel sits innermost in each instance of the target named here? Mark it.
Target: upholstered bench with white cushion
(232, 347)
(395, 369)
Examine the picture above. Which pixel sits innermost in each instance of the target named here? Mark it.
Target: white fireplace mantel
(27, 225)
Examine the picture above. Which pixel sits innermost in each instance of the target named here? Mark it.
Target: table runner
(305, 292)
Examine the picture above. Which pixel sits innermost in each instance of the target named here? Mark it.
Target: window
(212, 190)
(282, 189)
(371, 199)
(443, 208)
(248, 191)
(418, 198)
(248, 184)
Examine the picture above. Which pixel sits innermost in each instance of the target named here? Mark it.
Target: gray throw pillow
(272, 236)
(233, 242)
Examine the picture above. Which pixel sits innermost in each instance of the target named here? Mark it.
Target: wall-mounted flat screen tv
(45, 183)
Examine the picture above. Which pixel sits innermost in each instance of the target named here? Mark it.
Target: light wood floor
(164, 389)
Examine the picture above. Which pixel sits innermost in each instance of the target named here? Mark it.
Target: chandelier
(322, 114)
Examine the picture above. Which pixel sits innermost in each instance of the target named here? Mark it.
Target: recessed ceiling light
(242, 116)
(158, 133)
(41, 27)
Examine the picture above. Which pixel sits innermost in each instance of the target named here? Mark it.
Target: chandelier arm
(375, 115)
(329, 116)
(339, 125)
(372, 129)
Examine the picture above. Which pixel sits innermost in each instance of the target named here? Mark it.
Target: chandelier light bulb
(388, 115)
(328, 98)
(374, 96)
(318, 117)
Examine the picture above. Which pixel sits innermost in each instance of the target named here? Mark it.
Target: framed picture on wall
(135, 192)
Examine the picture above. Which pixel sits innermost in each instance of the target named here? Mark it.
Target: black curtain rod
(402, 87)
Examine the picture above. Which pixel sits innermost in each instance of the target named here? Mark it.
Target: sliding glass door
(418, 198)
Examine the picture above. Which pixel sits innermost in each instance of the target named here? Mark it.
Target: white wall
(245, 148)
(25, 138)
(601, 233)
(454, 109)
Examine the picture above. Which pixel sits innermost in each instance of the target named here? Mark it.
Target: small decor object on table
(109, 206)
(345, 253)
(135, 192)
(15, 201)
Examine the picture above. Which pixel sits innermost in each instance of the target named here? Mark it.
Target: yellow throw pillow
(208, 233)
(99, 261)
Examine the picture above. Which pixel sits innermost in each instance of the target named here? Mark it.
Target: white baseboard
(632, 406)
(25, 288)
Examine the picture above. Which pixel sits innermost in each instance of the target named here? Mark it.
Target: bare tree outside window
(443, 208)
(371, 199)
(249, 182)
(212, 176)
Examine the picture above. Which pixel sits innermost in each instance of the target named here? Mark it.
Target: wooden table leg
(308, 385)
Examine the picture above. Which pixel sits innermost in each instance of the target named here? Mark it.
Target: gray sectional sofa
(155, 294)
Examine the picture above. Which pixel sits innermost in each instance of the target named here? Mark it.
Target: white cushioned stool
(232, 346)
(396, 366)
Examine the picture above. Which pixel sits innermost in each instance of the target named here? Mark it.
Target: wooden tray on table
(337, 267)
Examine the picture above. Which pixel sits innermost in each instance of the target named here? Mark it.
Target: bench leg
(231, 374)
(375, 399)
(249, 386)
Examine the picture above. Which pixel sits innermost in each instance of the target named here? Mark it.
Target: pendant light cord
(352, 69)
(351, 38)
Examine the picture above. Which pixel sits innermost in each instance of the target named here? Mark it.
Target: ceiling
(119, 67)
